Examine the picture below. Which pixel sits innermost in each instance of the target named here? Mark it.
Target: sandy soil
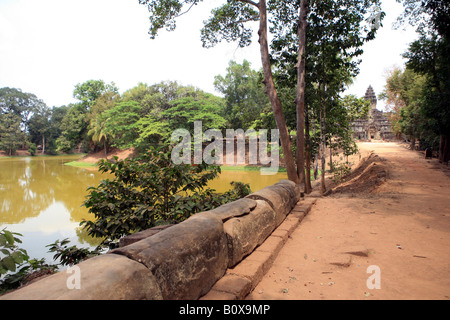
(21, 153)
(91, 158)
(397, 223)
(94, 157)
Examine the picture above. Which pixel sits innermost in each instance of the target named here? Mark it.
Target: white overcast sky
(48, 46)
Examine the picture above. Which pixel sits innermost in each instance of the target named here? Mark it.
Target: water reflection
(41, 198)
(253, 178)
(29, 186)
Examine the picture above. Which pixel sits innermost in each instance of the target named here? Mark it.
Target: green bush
(150, 190)
(16, 268)
(340, 171)
(69, 256)
(13, 256)
(12, 261)
(32, 149)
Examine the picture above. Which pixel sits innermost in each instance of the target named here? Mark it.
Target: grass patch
(257, 168)
(80, 164)
(246, 168)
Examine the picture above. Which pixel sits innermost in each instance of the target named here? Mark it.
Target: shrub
(32, 149)
(150, 190)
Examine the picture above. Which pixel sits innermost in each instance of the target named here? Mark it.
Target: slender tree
(99, 133)
(39, 125)
(300, 100)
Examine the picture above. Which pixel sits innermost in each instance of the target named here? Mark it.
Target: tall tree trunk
(331, 161)
(273, 95)
(412, 144)
(308, 186)
(316, 166)
(444, 148)
(323, 139)
(43, 144)
(300, 100)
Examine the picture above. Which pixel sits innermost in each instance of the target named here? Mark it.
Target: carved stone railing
(183, 261)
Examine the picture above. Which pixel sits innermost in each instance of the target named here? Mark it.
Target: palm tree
(98, 131)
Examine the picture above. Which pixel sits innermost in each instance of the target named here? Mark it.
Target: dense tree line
(419, 94)
(141, 116)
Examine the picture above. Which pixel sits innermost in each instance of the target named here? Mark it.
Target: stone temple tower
(370, 95)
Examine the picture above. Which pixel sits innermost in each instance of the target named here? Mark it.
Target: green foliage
(16, 267)
(151, 130)
(11, 135)
(69, 256)
(228, 23)
(149, 114)
(98, 131)
(404, 95)
(39, 126)
(420, 94)
(239, 190)
(120, 123)
(164, 12)
(430, 56)
(20, 103)
(336, 32)
(73, 129)
(243, 90)
(13, 256)
(185, 111)
(340, 171)
(357, 108)
(32, 149)
(89, 91)
(147, 191)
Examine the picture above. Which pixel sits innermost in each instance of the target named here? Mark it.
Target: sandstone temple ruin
(376, 125)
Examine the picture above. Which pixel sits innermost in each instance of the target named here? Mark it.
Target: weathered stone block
(135, 237)
(293, 188)
(289, 224)
(271, 244)
(218, 295)
(252, 268)
(282, 233)
(234, 209)
(186, 259)
(235, 285)
(281, 196)
(246, 232)
(106, 277)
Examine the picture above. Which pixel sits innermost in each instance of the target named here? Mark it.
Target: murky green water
(41, 198)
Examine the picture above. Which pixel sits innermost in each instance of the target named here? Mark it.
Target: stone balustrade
(182, 261)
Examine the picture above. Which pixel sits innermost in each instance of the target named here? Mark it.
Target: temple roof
(370, 95)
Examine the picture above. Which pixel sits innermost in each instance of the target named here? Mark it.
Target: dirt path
(399, 234)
